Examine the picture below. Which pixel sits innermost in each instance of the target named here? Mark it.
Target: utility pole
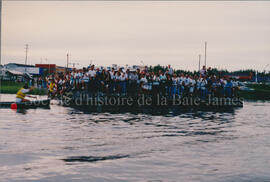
(0, 31)
(199, 63)
(205, 47)
(0, 39)
(26, 52)
(67, 60)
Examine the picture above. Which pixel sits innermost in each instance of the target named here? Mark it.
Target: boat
(25, 105)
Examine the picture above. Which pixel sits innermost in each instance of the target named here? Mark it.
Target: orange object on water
(13, 106)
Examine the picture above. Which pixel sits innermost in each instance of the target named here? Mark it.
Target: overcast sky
(156, 32)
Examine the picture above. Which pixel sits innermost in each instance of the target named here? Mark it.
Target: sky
(138, 32)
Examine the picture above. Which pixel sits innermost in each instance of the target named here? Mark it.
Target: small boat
(25, 105)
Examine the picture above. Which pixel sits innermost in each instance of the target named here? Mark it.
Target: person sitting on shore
(22, 93)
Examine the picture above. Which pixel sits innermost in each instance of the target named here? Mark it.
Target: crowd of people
(140, 81)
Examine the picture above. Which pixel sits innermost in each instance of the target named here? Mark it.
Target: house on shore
(28, 69)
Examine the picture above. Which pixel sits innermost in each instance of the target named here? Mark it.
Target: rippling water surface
(66, 144)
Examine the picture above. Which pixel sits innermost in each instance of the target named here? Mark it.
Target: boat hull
(26, 105)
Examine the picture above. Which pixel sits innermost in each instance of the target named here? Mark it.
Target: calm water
(65, 144)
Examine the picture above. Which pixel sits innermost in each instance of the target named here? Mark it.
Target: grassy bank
(10, 87)
(260, 92)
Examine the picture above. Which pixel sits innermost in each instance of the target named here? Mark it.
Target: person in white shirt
(203, 71)
(181, 84)
(192, 84)
(170, 70)
(163, 79)
(76, 78)
(118, 82)
(174, 85)
(199, 83)
(123, 83)
(186, 81)
(92, 74)
(92, 80)
(72, 78)
(112, 73)
(235, 87)
(112, 81)
(203, 86)
(156, 84)
(144, 83)
(133, 79)
(186, 85)
(85, 80)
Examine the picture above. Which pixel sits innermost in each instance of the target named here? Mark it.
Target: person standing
(170, 70)
(203, 71)
(144, 84)
(174, 84)
(203, 86)
(156, 84)
(92, 78)
(163, 79)
(192, 84)
(228, 88)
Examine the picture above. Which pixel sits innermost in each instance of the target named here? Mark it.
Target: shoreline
(260, 92)
(7, 87)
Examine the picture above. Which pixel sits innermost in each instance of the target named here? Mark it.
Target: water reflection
(155, 111)
(93, 158)
(165, 144)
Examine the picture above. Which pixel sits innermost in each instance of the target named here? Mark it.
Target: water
(64, 144)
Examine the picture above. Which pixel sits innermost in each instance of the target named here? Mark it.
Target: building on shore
(22, 68)
(47, 68)
(11, 75)
(52, 68)
(240, 76)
